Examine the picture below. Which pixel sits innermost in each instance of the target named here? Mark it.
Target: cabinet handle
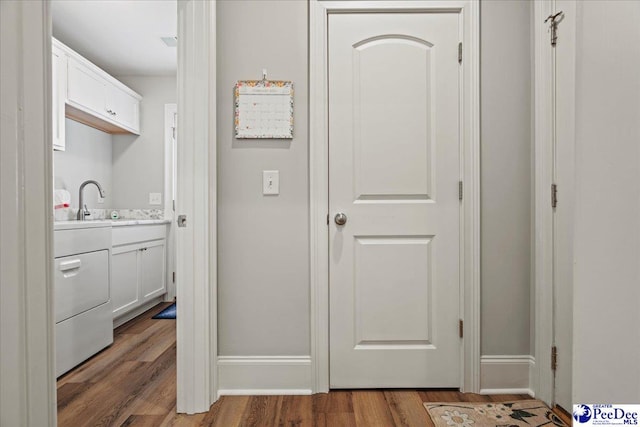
(70, 265)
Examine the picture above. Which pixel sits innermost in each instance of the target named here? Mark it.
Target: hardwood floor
(132, 383)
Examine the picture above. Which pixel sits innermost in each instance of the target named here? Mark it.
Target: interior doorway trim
(196, 268)
(319, 12)
(543, 244)
(170, 128)
(27, 362)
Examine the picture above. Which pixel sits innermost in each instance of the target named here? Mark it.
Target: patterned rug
(482, 414)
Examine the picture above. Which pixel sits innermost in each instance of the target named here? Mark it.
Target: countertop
(68, 225)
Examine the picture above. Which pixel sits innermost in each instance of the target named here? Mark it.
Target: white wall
(138, 161)
(506, 175)
(263, 267)
(607, 221)
(87, 156)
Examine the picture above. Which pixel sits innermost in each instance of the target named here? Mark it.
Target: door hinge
(461, 328)
(554, 358)
(460, 53)
(173, 203)
(173, 131)
(174, 277)
(327, 219)
(459, 190)
(554, 195)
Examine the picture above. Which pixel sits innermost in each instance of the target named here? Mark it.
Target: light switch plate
(270, 182)
(155, 198)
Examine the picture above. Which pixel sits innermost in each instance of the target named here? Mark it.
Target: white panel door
(394, 167)
(563, 219)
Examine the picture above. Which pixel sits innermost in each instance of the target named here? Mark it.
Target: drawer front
(138, 233)
(82, 336)
(81, 283)
(77, 241)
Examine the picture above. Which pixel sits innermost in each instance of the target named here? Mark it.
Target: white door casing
(170, 185)
(543, 251)
(554, 164)
(394, 169)
(196, 272)
(27, 368)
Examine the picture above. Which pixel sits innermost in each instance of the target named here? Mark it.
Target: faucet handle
(86, 211)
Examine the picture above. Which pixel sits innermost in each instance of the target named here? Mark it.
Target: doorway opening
(114, 71)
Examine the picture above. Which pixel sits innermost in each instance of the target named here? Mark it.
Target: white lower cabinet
(138, 266)
(152, 270)
(124, 281)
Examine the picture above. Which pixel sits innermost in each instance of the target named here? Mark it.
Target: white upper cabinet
(86, 89)
(58, 96)
(87, 94)
(124, 108)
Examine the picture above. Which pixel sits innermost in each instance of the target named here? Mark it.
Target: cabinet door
(124, 280)
(124, 108)
(58, 96)
(86, 89)
(152, 270)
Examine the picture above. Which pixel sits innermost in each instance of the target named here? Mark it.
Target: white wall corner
(507, 374)
(264, 375)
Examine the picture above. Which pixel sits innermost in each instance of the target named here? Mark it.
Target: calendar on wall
(264, 109)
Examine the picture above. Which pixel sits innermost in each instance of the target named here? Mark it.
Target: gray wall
(607, 204)
(87, 156)
(506, 175)
(263, 267)
(263, 241)
(138, 161)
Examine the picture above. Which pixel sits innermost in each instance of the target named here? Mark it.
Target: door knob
(340, 218)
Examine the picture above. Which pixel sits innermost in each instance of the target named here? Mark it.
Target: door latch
(182, 221)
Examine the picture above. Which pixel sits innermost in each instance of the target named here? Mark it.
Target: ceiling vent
(170, 41)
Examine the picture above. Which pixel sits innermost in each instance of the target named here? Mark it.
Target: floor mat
(167, 313)
(494, 414)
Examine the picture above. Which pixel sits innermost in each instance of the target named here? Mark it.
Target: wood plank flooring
(132, 383)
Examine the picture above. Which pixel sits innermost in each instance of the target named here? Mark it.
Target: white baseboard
(121, 320)
(264, 375)
(506, 374)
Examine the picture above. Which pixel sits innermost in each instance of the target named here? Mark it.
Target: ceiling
(123, 37)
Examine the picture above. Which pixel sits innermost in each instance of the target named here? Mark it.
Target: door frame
(319, 11)
(170, 123)
(543, 382)
(27, 364)
(196, 244)
(543, 242)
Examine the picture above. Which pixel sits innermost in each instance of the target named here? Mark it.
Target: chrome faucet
(82, 211)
